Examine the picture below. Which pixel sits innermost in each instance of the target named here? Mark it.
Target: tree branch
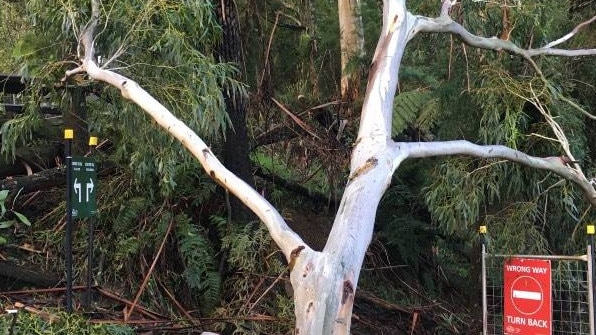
(285, 238)
(571, 34)
(444, 24)
(557, 165)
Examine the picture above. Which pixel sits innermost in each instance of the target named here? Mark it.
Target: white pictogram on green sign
(84, 176)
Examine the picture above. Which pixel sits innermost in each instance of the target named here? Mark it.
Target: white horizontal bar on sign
(530, 295)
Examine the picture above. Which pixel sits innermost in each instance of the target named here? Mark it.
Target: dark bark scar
(294, 255)
(310, 305)
(393, 25)
(206, 152)
(348, 291)
(367, 166)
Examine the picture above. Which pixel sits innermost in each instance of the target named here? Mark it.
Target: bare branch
(285, 238)
(86, 38)
(558, 165)
(571, 34)
(445, 24)
(446, 6)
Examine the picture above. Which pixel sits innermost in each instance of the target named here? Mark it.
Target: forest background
(220, 263)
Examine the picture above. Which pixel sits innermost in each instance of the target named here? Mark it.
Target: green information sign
(84, 181)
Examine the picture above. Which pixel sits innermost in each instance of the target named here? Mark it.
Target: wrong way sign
(527, 297)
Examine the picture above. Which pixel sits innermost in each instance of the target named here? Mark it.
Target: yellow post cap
(483, 229)
(590, 229)
(68, 134)
(92, 141)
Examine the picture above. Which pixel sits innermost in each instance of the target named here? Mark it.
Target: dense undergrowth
(156, 206)
(62, 324)
(228, 272)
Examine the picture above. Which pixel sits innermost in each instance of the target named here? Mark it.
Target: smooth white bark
(325, 282)
(285, 238)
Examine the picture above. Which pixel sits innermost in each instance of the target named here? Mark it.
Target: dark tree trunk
(236, 148)
(75, 118)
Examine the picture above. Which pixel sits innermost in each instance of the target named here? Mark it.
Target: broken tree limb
(37, 181)
(285, 238)
(27, 275)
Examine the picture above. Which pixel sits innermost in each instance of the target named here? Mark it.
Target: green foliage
(11, 30)
(137, 227)
(255, 261)
(197, 254)
(18, 132)
(62, 323)
(166, 47)
(246, 244)
(503, 117)
(311, 176)
(408, 238)
(415, 108)
(9, 217)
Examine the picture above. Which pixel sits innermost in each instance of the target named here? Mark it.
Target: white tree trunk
(325, 282)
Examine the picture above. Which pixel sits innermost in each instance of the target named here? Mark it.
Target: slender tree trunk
(75, 118)
(236, 147)
(325, 282)
(352, 49)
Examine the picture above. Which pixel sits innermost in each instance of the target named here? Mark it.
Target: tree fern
(198, 257)
(429, 115)
(128, 214)
(414, 108)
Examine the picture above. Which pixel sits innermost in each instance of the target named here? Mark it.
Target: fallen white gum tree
(325, 281)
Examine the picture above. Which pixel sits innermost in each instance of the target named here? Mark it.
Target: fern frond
(129, 213)
(406, 108)
(198, 257)
(429, 115)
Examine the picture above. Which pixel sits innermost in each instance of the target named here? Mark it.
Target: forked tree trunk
(325, 282)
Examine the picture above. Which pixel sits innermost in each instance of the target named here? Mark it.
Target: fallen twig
(146, 279)
(140, 309)
(44, 315)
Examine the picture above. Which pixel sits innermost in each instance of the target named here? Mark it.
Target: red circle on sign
(527, 295)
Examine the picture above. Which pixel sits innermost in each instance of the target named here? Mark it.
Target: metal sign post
(483, 231)
(68, 137)
(81, 181)
(590, 252)
(92, 145)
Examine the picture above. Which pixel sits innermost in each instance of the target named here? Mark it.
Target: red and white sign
(527, 297)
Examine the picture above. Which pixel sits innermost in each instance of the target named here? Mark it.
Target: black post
(92, 145)
(483, 231)
(68, 137)
(590, 231)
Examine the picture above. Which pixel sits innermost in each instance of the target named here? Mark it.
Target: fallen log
(27, 275)
(37, 181)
